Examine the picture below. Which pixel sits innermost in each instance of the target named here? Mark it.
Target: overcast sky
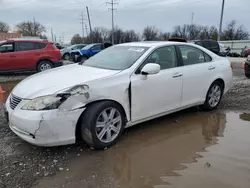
(63, 15)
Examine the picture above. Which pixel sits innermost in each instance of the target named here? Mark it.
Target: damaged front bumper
(44, 128)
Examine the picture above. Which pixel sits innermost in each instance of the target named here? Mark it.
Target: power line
(112, 3)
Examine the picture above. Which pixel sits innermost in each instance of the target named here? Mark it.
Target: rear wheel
(44, 65)
(102, 124)
(214, 96)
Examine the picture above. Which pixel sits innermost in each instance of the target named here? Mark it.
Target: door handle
(176, 75)
(12, 56)
(211, 67)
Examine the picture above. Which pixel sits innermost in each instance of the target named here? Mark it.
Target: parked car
(211, 45)
(246, 67)
(245, 52)
(65, 53)
(88, 51)
(119, 87)
(25, 55)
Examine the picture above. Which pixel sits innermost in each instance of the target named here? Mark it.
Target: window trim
(178, 46)
(138, 69)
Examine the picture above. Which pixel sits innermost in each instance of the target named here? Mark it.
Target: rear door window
(198, 43)
(25, 46)
(40, 45)
(206, 44)
(191, 55)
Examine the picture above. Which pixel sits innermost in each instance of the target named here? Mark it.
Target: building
(4, 36)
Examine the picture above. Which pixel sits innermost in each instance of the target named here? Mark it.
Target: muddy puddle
(184, 150)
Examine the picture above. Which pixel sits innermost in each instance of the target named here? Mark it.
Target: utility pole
(34, 22)
(221, 19)
(52, 35)
(86, 29)
(55, 38)
(90, 27)
(192, 18)
(112, 10)
(82, 22)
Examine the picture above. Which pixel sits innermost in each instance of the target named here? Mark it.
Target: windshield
(88, 47)
(116, 57)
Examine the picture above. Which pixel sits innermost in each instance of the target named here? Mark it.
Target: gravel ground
(22, 164)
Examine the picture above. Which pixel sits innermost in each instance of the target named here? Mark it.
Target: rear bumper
(58, 63)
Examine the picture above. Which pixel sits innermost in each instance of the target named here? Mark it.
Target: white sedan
(121, 86)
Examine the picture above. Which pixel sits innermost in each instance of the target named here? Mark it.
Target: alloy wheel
(214, 96)
(108, 125)
(45, 66)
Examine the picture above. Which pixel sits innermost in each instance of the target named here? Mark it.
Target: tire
(66, 56)
(99, 135)
(214, 96)
(83, 59)
(44, 65)
(247, 75)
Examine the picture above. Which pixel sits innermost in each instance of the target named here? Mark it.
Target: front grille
(14, 101)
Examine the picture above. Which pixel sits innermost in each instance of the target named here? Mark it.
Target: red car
(34, 55)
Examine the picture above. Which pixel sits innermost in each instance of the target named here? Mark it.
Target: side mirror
(150, 68)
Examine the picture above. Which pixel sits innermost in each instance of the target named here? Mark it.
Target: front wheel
(247, 75)
(102, 124)
(214, 96)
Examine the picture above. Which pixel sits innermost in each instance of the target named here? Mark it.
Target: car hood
(55, 80)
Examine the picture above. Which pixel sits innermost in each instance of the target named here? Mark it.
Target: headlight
(51, 102)
(44, 103)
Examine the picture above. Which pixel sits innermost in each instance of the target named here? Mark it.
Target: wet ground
(190, 149)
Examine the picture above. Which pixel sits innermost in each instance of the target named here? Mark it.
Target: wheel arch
(78, 124)
(219, 79)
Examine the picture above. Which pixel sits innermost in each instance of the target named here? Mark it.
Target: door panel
(155, 94)
(7, 54)
(158, 93)
(26, 55)
(197, 73)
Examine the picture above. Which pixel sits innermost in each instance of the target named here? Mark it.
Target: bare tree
(118, 35)
(130, 36)
(150, 33)
(180, 31)
(232, 32)
(164, 36)
(213, 33)
(29, 28)
(204, 34)
(4, 28)
(76, 39)
(194, 31)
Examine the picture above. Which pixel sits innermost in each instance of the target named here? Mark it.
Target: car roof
(150, 43)
(26, 40)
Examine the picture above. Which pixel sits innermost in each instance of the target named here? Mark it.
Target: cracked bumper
(44, 128)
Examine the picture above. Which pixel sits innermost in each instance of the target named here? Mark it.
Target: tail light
(231, 65)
